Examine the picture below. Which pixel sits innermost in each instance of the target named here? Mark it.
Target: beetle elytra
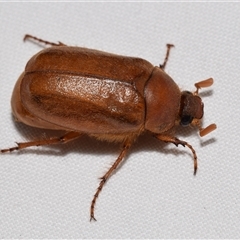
(106, 96)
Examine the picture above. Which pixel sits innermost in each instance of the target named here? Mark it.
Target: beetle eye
(186, 120)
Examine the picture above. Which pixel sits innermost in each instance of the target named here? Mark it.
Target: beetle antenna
(203, 84)
(169, 46)
(207, 130)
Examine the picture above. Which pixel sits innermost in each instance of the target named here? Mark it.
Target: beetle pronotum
(106, 96)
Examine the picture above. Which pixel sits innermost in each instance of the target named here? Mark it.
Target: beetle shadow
(206, 93)
(208, 142)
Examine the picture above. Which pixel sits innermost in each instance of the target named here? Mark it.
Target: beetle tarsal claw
(93, 218)
(178, 143)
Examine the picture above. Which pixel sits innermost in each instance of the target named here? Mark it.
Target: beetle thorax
(162, 102)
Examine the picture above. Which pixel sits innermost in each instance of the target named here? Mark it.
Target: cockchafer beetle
(106, 96)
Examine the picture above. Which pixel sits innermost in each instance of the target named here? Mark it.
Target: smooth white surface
(46, 192)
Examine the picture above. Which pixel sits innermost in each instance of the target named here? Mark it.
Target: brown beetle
(107, 96)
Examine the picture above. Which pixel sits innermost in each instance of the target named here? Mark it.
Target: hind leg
(55, 140)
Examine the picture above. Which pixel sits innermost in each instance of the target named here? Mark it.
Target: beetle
(103, 95)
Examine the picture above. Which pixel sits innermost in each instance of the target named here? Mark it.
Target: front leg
(177, 141)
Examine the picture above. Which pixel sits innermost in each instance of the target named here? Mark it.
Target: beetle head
(191, 108)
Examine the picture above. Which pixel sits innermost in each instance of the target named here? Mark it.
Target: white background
(46, 192)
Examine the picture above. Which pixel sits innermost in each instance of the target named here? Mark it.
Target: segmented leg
(176, 141)
(162, 66)
(55, 140)
(27, 36)
(123, 153)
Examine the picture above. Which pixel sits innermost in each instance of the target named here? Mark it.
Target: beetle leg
(127, 144)
(169, 46)
(27, 36)
(177, 141)
(55, 140)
